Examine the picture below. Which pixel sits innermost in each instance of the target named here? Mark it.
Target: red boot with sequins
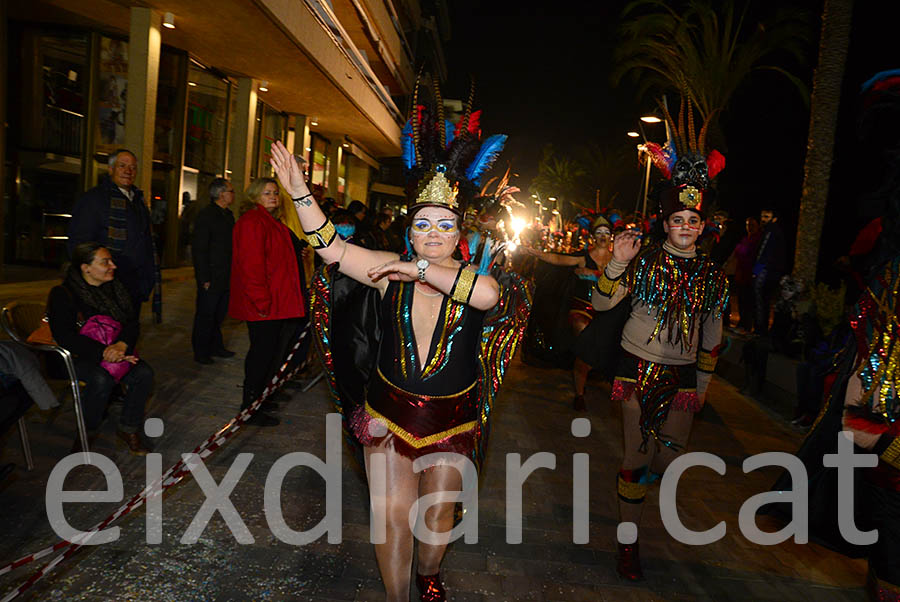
(628, 563)
(431, 588)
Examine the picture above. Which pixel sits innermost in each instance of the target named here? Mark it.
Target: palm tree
(559, 176)
(826, 96)
(607, 176)
(704, 52)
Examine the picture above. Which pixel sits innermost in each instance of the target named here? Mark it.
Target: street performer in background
(589, 264)
(443, 335)
(671, 338)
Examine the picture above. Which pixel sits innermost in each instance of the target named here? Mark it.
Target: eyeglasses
(443, 226)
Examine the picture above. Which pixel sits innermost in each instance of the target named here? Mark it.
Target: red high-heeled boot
(628, 563)
(431, 588)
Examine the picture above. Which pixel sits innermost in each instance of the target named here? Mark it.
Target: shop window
(113, 90)
(204, 146)
(47, 110)
(274, 127)
(318, 160)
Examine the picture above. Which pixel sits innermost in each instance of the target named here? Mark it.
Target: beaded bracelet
(322, 236)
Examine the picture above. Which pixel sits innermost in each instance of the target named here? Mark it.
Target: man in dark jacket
(770, 266)
(115, 215)
(211, 250)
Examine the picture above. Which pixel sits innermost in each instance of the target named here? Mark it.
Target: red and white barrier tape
(171, 477)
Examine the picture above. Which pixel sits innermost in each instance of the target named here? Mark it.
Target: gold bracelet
(463, 289)
(606, 286)
(892, 454)
(322, 236)
(706, 362)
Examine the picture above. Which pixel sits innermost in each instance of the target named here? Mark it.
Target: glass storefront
(318, 160)
(169, 122)
(204, 146)
(46, 140)
(274, 127)
(66, 114)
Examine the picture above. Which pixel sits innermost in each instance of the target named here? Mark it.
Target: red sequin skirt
(415, 425)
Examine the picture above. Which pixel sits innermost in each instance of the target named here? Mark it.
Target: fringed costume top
(674, 329)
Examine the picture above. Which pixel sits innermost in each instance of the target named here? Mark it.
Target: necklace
(421, 292)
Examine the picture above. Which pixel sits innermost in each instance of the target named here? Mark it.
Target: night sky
(543, 76)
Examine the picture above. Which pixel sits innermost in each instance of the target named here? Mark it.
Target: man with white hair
(115, 215)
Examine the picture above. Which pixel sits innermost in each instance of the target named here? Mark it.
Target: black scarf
(109, 299)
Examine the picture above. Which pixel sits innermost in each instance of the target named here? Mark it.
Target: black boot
(259, 418)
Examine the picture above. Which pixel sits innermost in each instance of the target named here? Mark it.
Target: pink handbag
(105, 329)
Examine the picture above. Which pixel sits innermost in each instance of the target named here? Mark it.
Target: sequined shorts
(639, 376)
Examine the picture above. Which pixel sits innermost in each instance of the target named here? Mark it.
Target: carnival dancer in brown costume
(445, 334)
(671, 338)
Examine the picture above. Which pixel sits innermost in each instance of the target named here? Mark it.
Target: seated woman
(90, 289)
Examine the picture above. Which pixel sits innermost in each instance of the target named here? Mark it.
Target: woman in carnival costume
(588, 266)
(417, 371)
(672, 335)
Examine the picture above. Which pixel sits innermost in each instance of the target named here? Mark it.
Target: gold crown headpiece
(437, 191)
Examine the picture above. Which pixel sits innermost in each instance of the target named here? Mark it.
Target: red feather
(659, 158)
(715, 161)
(474, 123)
(864, 425)
(464, 248)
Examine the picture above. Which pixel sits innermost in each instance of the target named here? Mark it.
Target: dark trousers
(208, 317)
(744, 295)
(810, 387)
(289, 337)
(138, 385)
(14, 402)
(765, 284)
(269, 342)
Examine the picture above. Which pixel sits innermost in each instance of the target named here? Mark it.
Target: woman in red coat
(265, 285)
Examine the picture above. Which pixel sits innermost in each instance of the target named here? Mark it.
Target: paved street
(532, 414)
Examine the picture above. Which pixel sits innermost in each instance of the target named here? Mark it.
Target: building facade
(199, 89)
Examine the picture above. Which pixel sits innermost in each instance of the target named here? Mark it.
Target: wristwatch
(422, 264)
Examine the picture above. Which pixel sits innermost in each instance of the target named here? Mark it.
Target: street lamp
(633, 134)
(650, 119)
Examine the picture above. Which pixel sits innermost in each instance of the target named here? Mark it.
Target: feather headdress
(683, 160)
(437, 152)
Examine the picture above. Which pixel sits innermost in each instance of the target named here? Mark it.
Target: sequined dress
(428, 404)
(438, 403)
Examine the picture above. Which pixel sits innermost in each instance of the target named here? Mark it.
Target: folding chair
(19, 320)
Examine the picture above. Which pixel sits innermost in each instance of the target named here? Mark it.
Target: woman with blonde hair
(424, 394)
(265, 287)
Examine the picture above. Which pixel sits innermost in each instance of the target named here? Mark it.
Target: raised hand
(626, 245)
(288, 170)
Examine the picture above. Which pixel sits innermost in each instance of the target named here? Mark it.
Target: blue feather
(409, 149)
(485, 266)
(487, 154)
(451, 131)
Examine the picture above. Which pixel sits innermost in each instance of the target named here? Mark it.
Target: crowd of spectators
(255, 269)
